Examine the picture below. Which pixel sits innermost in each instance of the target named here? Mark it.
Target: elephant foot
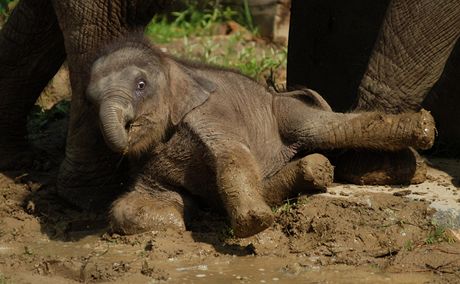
(425, 131)
(251, 217)
(139, 211)
(310, 173)
(316, 172)
(381, 168)
(92, 184)
(248, 212)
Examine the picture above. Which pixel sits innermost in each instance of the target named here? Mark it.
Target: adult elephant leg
(414, 43)
(411, 50)
(90, 174)
(405, 166)
(31, 52)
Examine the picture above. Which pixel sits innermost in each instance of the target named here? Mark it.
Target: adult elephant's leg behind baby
(381, 167)
(31, 52)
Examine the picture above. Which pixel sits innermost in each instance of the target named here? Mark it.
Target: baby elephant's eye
(141, 85)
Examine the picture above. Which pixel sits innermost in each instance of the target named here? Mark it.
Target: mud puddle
(81, 261)
(275, 270)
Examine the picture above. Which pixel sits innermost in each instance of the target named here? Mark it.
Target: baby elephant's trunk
(378, 131)
(115, 114)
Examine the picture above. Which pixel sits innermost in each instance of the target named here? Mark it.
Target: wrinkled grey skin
(216, 134)
(406, 62)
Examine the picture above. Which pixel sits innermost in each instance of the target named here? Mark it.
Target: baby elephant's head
(140, 93)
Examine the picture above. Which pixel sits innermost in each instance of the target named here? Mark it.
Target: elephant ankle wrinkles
(374, 95)
(374, 86)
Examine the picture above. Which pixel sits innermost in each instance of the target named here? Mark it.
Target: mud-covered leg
(374, 131)
(140, 211)
(311, 129)
(31, 52)
(310, 173)
(239, 185)
(380, 168)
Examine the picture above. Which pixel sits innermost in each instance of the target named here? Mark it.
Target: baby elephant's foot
(316, 172)
(425, 130)
(251, 217)
(312, 173)
(140, 211)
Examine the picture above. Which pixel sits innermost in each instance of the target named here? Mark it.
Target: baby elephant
(196, 130)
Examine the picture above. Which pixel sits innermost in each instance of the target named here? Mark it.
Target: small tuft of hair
(272, 85)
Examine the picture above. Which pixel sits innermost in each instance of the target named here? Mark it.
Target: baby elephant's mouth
(133, 128)
(141, 132)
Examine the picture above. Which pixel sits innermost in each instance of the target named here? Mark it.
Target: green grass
(6, 6)
(438, 235)
(188, 23)
(290, 204)
(198, 20)
(39, 117)
(3, 279)
(234, 52)
(197, 34)
(409, 245)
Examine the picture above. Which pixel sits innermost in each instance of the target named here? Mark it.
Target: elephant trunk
(370, 130)
(115, 114)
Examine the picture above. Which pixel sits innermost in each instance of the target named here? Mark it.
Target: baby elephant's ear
(188, 91)
(309, 97)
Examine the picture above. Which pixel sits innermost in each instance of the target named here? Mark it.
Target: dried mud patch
(363, 229)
